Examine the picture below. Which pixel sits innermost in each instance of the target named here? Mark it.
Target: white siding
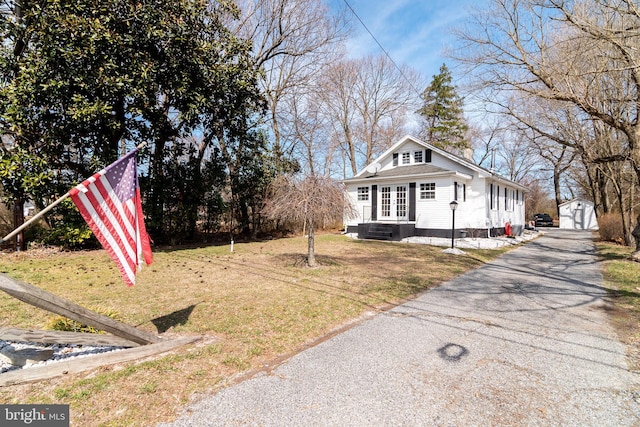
(505, 209)
(473, 212)
(363, 208)
(578, 215)
(433, 213)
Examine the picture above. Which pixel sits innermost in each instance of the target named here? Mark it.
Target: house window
(401, 201)
(363, 194)
(428, 191)
(395, 159)
(406, 158)
(385, 201)
(417, 156)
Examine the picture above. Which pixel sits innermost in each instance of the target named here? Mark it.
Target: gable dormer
(411, 156)
(410, 151)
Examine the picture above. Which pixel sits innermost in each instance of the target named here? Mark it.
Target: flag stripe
(106, 239)
(104, 209)
(108, 207)
(110, 203)
(144, 245)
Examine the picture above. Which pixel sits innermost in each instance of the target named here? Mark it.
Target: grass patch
(252, 307)
(622, 279)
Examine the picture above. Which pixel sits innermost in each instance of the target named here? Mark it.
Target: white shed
(578, 214)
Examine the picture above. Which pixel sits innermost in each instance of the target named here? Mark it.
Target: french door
(393, 202)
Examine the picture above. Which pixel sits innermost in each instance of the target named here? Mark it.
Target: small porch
(385, 231)
(398, 231)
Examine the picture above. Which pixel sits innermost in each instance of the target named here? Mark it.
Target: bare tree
(547, 154)
(339, 105)
(311, 134)
(312, 201)
(580, 53)
(367, 101)
(517, 154)
(293, 41)
(538, 200)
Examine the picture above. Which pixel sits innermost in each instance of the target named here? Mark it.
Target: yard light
(453, 205)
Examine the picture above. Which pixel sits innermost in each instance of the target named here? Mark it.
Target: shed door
(578, 219)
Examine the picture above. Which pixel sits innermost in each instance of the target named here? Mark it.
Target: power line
(382, 48)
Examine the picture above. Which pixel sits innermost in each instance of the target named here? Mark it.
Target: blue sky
(413, 32)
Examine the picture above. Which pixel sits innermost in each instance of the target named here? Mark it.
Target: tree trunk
(556, 188)
(277, 146)
(156, 202)
(18, 220)
(604, 195)
(352, 153)
(311, 256)
(635, 163)
(635, 255)
(634, 157)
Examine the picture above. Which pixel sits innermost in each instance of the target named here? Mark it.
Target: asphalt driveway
(521, 341)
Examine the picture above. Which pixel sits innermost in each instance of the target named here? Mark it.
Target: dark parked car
(543, 220)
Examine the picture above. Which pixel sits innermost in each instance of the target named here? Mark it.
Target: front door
(393, 202)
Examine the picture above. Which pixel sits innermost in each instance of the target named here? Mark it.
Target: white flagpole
(35, 217)
(45, 210)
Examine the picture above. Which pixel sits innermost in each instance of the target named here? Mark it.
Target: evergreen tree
(444, 124)
(78, 80)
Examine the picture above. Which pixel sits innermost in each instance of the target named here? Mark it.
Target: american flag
(110, 203)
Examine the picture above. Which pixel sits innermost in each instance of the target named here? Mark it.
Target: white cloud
(414, 33)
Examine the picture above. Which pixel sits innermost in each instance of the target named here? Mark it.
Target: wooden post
(76, 365)
(63, 337)
(46, 300)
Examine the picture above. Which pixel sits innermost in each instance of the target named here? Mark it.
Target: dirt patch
(626, 322)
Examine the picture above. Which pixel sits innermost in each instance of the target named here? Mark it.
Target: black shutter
(374, 203)
(455, 190)
(491, 196)
(464, 192)
(427, 157)
(412, 201)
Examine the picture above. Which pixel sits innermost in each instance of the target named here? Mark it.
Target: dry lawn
(254, 307)
(622, 278)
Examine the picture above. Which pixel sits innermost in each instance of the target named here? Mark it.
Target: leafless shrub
(312, 201)
(610, 228)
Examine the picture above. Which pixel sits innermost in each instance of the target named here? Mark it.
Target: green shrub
(61, 323)
(71, 237)
(68, 229)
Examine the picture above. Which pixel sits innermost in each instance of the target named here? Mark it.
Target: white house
(408, 189)
(578, 215)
